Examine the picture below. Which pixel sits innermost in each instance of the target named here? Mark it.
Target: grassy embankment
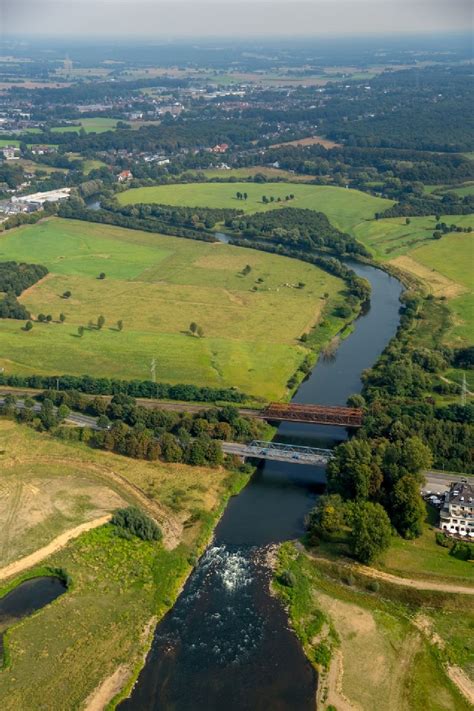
(103, 624)
(374, 641)
(158, 285)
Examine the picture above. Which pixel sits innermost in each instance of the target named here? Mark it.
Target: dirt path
(415, 582)
(29, 561)
(397, 580)
(106, 691)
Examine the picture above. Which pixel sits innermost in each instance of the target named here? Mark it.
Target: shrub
(322, 655)
(373, 586)
(288, 579)
(442, 540)
(462, 550)
(133, 521)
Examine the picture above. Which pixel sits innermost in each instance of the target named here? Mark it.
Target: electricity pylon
(463, 390)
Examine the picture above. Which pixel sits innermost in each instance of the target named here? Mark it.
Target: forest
(303, 230)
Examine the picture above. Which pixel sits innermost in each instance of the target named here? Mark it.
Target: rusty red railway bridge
(313, 414)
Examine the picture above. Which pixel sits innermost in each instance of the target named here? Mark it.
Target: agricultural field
(90, 125)
(344, 207)
(251, 171)
(391, 237)
(157, 286)
(346, 626)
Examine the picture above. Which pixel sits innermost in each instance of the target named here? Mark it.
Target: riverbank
(347, 621)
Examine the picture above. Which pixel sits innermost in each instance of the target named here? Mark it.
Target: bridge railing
(263, 447)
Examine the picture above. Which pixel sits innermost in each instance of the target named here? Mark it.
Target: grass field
(102, 625)
(344, 207)
(64, 484)
(392, 237)
(158, 285)
(377, 652)
(249, 172)
(90, 125)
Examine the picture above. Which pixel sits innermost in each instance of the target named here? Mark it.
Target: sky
(243, 18)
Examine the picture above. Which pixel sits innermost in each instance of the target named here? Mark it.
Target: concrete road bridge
(279, 452)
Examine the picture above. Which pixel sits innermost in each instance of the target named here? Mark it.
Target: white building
(41, 198)
(457, 514)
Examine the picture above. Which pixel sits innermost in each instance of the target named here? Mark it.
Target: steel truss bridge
(313, 414)
(279, 452)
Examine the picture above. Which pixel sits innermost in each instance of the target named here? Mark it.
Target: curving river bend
(226, 644)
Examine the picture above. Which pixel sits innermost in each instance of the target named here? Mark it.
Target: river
(226, 644)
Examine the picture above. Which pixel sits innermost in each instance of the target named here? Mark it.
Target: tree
(49, 318)
(47, 416)
(135, 522)
(41, 318)
(62, 317)
(67, 295)
(371, 531)
(102, 275)
(63, 412)
(171, 450)
(239, 196)
(100, 322)
(245, 196)
(193, 327)
(200, 332)
(407, 510)
(80, 331)
(327, 517)
(28, 326)
(354, 472)
(120, 325)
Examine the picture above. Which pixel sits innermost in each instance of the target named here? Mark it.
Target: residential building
(124, 176)
(457, 513)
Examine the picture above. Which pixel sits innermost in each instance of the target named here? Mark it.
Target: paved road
(76, 418)
(440, 481)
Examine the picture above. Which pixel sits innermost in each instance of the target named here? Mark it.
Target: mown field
(158, 285)
(444, 266)
(380, 644)
(391, 237)
(251, 171)
(345, 208)
(90, 125)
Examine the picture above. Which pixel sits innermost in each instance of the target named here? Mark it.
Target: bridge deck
(313, 414)
(278, 451)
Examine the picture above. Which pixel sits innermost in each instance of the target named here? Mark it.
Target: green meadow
(157, 286)
(344, 207)
(392, 237)
(90, 125)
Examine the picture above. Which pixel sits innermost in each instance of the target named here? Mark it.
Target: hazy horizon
(177, 19)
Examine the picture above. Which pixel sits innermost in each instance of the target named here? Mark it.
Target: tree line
(135, 388)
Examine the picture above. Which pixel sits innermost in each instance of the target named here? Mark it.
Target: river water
(226, 644)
